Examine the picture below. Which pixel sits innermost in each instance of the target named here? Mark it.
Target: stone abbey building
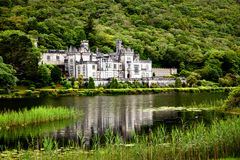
(123, 64)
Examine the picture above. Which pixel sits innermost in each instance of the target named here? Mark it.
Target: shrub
(53, 85)
(178, 82)
(76, 85)
(154, 85)
(28, 92)
(113, 83)
(66, 84)
(233, 99)
(91, 84)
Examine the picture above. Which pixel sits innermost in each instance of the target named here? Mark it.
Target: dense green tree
(113, 83)
(178, 82)
(80, 81)
(56, 74)
(192, 79)
(233, 99)
(44, 75)
(91, 83)
(7, 78)
(17, 49)
(189, 35)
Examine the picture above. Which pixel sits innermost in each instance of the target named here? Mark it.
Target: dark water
(123, 114)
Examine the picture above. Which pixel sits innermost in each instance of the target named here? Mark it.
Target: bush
(25, 82)
(178, 82)
(154, 85)
(91, 83)
(66, 84)
(28, 93)
(32, 87)
(76, 85)
(233, 99)
(136, 84)
(53, 85)
(113, 83)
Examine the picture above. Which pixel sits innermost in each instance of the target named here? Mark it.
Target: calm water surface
(124, 114)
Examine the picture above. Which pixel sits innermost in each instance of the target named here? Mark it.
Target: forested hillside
(200, 36)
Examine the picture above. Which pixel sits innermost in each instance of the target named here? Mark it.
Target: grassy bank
(102, 91)
(34, 116)
(220, 140)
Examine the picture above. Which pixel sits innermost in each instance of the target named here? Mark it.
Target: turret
(84, 46)
(118, 46)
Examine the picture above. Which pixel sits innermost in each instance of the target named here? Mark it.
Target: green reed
(34, 130)
(35, 115)
(219, 140)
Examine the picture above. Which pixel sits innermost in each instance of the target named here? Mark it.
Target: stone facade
(164, 72)
(124, 63)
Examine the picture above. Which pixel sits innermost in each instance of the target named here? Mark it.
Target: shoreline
(38, 93)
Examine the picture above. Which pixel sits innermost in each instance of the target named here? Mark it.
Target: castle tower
(84, 46)
(118, 46)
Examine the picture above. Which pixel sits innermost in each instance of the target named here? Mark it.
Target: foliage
(136, 84)
(178, 82)
(35, 115)
(91, 83)
(66, 84)
(75, 85)
(199, 36)
(72, 80)
(113, 84)
(7, 78)
(80, 81)
(56, 74)
(16, 49)
(229, 80)
(44, 75)
(233, 99)
(195, 142)
(192, 79)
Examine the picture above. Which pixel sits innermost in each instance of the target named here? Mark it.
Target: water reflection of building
(123, 116)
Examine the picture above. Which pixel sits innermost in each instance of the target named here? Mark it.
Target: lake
(124, 114)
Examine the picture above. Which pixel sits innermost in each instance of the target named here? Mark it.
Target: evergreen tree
(178, 82)
(91, 83)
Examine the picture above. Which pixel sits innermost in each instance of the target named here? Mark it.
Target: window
(115, 66)
(120, 67)
(48, 58)
(57, 58)
(128, 59)
(93, 67)
(71, 60)
(84, 70)
(136, 69)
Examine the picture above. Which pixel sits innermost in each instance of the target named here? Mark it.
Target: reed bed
(220, 140)
(35, 115)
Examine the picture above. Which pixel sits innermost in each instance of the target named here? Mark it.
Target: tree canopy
(201, 36)
(16, 49)
(7, 78)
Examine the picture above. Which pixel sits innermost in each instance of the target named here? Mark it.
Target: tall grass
(34, 130)
(34, 115)
(220, 140)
